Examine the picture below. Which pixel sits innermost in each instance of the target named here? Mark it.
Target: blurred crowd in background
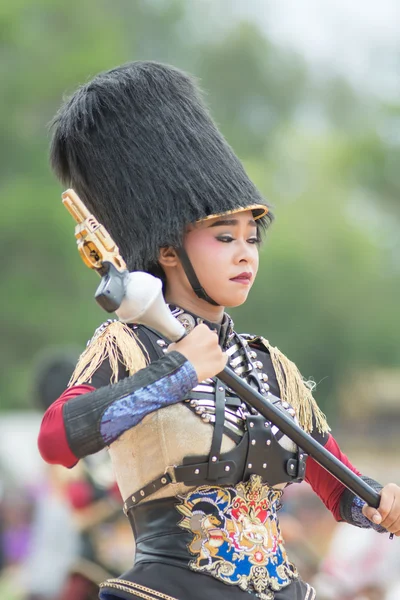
(308, 95)
(64, 534)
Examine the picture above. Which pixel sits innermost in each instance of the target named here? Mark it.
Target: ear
(168, 257)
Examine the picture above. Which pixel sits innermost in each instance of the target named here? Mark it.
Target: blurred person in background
(307, 528)
(95, 502)
(55, 542)
(140, 148)
(359, 565)
(69, 507)
(16, 503)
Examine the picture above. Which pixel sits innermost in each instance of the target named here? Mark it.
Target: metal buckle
(170, 470)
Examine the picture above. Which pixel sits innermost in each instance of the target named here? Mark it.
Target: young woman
(201, 472)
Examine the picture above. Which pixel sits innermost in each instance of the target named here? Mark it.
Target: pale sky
(358, 37)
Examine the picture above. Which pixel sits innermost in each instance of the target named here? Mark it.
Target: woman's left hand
(388, 513)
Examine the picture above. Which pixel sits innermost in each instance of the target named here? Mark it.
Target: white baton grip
(144, 304)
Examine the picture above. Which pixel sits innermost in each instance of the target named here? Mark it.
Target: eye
(225, 238)
(254, 240)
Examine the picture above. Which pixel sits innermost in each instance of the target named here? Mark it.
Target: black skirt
(158, 581)
(162, 565)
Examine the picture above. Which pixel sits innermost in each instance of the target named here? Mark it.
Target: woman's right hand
(202, 350)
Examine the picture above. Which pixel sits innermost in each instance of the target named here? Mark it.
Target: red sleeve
(327, 487)
(52, 441)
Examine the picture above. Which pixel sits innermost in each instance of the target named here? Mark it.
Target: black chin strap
(192, 277)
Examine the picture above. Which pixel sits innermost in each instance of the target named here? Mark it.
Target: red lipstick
(244, 278)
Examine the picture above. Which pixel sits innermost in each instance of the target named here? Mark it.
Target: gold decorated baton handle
(95, 244)
(99, 252)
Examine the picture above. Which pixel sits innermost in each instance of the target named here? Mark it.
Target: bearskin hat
(138, 145)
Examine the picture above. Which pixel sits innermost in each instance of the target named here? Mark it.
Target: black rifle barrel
(303, 440)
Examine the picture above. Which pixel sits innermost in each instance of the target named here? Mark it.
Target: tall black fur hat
(140, 148)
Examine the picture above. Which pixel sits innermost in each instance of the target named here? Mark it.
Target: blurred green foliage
(325, 155)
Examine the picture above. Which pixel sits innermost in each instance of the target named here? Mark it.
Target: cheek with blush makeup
(226, 282)
(224, 255)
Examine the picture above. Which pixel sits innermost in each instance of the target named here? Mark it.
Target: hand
(388, 513)
(201, 348)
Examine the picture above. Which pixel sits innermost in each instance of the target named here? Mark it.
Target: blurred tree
(324, 156)
(252, 86)
(375, 164)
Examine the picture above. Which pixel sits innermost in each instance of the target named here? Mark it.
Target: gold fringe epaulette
(115, 342)
(296, 391)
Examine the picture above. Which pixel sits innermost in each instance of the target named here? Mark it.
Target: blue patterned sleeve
(130, 410)
(351, 508)
(360, 520)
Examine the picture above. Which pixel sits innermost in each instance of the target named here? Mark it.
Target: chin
(232, 301)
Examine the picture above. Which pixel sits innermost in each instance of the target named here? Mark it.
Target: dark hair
(139, 146)
(53, 370)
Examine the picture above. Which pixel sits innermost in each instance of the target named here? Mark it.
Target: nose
(245, 253)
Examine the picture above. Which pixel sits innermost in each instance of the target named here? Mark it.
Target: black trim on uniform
(347, 498)
(82, 415)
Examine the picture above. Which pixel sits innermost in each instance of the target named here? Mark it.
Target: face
(224, 255)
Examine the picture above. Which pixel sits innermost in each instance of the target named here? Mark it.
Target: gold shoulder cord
(295, 391)
(135, 589)
(115, 342)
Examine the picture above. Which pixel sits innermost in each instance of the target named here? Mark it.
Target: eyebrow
(230, 222)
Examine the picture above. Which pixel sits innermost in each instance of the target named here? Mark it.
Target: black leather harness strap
(146, 491)
(257, 449)
(215, 452)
